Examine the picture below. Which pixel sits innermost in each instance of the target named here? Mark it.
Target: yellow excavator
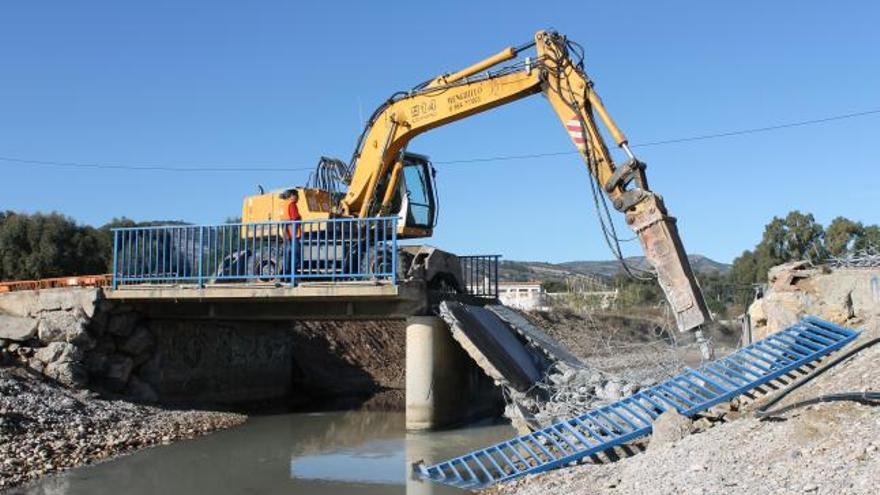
(384, 179)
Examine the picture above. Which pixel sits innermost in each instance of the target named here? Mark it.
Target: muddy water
(318, 453)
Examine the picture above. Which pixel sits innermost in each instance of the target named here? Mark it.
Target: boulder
(141, 391)
(611, 391)
(151, 371)
(96, 362)
(757, 315)
(36, 365)
(140, 343)
(669, 428)
(57, 299)
(17, 328)
(67, 373)
(59, 352)
(782, 309)
(64, 326)
(20, 303)
(118, 372)
(88, 300)
(122, 325)
(785, 277)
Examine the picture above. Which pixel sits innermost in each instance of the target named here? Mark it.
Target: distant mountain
(543, 271)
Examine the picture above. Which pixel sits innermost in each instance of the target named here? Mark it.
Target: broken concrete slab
(534, 335)
(491, 344)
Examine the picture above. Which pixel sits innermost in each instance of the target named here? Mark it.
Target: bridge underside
(308, 301)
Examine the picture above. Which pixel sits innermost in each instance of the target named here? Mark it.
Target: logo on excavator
(423, 110)
(576, 131)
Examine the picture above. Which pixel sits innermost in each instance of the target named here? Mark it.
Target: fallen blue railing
(615, 424)
(283, 252)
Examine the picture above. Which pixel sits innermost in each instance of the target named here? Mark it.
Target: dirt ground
(353, 360)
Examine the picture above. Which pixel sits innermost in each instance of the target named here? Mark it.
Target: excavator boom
(381, 170)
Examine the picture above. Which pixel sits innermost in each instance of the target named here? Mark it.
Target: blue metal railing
(339, 249)
(601, 429)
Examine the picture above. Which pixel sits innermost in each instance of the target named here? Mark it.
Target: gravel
(46, 428)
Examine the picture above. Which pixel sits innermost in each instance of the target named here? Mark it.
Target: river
(331, 453)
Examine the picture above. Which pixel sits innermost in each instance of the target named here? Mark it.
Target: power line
(762, 129)
(162, 168)
(700, 137)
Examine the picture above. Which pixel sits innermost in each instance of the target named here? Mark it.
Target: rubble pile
(545, 386)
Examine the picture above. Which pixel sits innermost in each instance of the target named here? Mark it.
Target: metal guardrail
(285, 252)
(598, 430)
(480, 273)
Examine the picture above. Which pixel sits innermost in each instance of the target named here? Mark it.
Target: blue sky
(277, 84)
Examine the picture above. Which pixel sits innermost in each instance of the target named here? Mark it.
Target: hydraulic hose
(870, 397)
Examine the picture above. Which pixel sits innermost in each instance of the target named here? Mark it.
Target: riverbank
(46, 428)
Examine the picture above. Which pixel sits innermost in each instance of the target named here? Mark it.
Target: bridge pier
(443, 385)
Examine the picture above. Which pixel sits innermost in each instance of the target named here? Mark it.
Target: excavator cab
(416, 200)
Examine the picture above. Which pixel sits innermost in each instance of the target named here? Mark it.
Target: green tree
(795, 237)
(870, 239)
(842, 235)
(49, 245)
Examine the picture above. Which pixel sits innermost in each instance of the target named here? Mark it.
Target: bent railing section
(266, 252)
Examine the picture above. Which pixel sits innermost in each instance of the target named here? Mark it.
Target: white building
(527, 296)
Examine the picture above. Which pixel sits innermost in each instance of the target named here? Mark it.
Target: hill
(538, 270)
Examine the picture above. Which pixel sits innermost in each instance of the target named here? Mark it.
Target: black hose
(868, 397)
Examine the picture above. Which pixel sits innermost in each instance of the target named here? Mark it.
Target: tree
(869, 240)
(842, 235)
(50, 245)
(743, 274)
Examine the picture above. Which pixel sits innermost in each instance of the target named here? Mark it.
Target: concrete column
(443, 385)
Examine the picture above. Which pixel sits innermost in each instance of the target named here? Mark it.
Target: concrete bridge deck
(316, 300)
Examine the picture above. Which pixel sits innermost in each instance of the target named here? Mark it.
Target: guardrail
(286, 252)
(480, 273)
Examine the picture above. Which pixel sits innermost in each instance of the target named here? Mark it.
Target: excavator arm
(379, 155)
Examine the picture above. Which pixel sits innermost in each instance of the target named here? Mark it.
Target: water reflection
(323, 454)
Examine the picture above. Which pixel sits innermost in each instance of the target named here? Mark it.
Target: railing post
(115, 260)
(394, 251)
(200, 247)
(497, 263)
(292, 249)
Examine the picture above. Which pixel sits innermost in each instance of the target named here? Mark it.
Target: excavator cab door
(418, 202)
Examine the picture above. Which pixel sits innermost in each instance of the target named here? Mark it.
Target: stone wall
(845, 296)
(74, 336)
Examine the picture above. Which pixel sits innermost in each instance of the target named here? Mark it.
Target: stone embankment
(75, 337)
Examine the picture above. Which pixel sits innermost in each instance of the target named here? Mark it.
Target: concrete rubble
(542, 382)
